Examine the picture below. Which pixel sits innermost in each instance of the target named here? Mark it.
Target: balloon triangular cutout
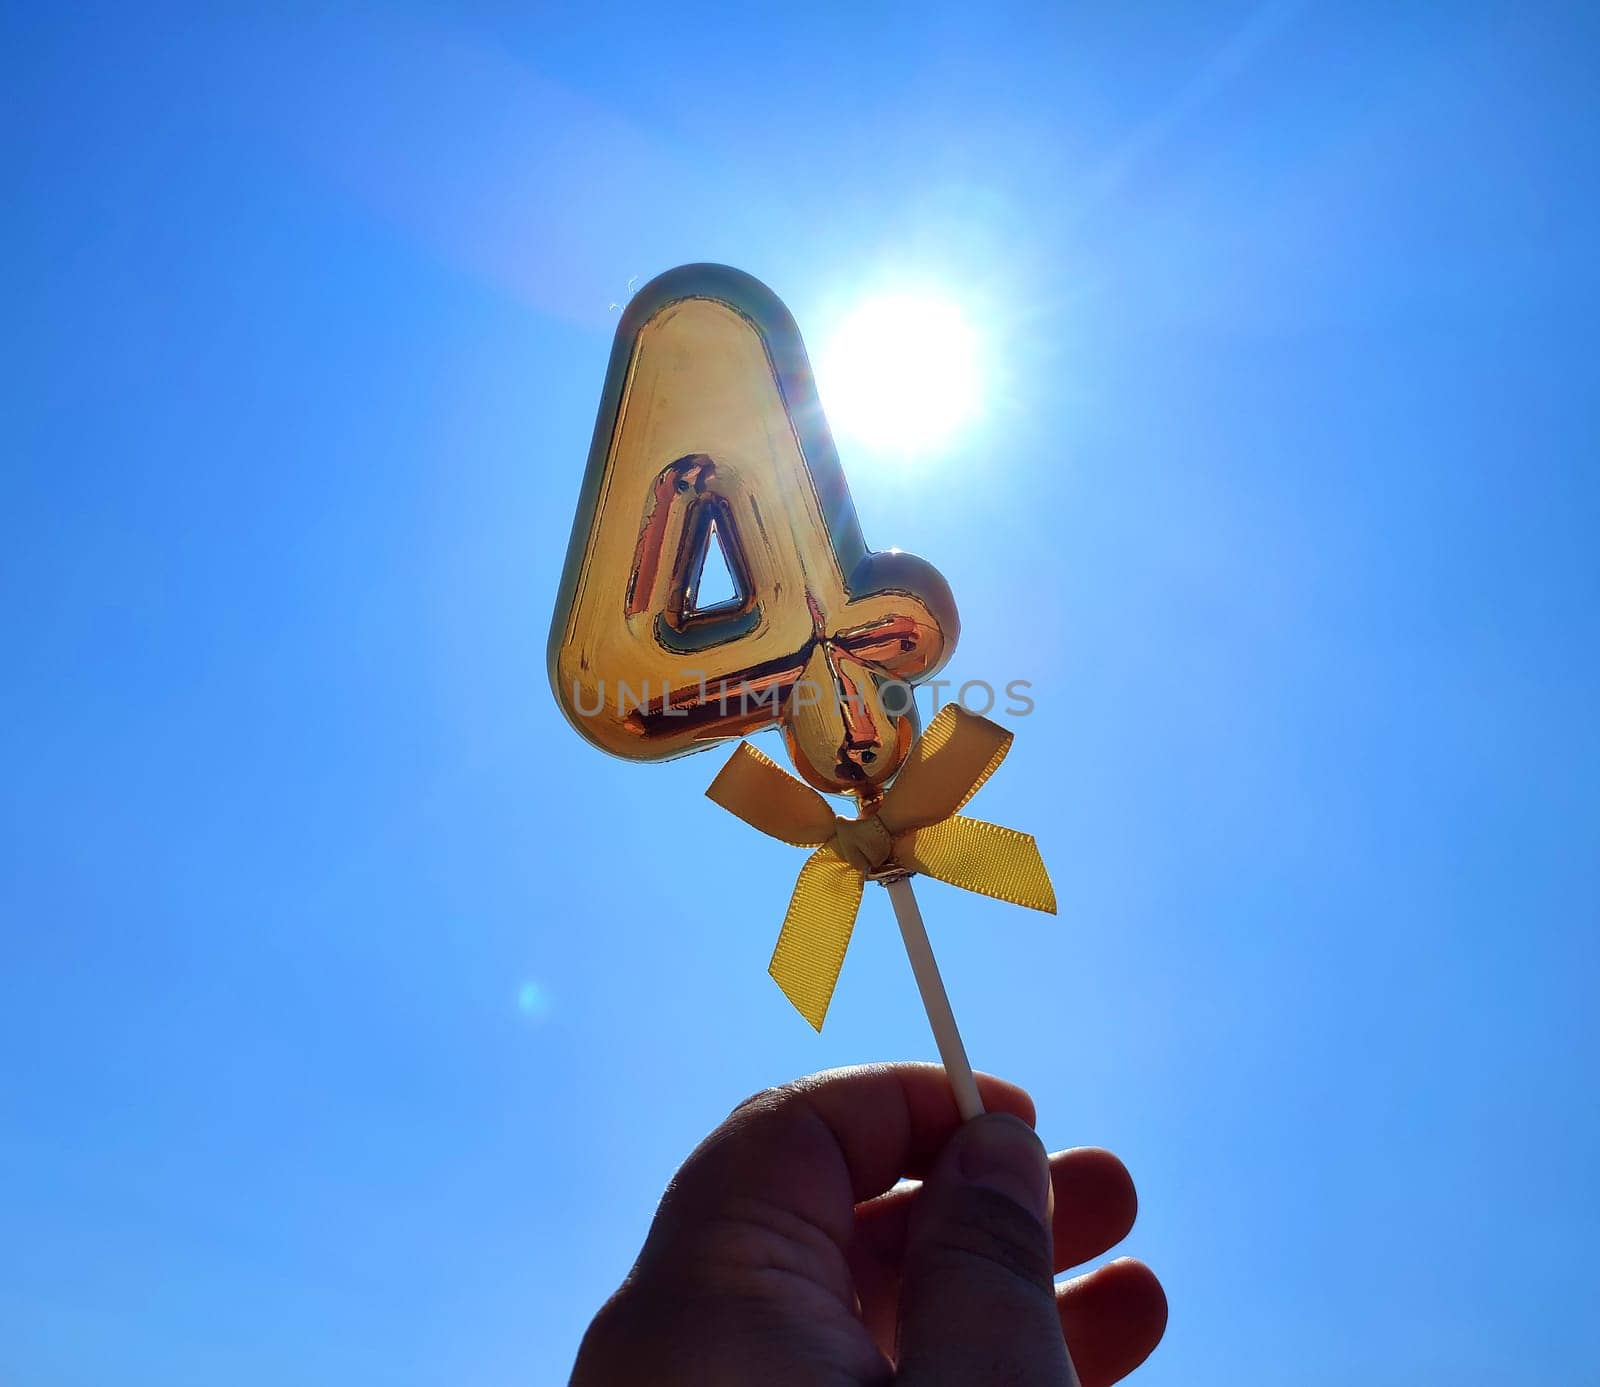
(714, 582)
(710, 441)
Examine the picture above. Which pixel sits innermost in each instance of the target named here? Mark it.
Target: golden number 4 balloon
(710, 434)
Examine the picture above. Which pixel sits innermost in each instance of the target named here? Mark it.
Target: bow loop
(947, 766)
(766, 797)
(917, 827)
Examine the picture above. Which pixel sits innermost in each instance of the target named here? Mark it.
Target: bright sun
(901, 373)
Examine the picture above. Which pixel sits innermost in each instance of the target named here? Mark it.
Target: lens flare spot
(533, 1001)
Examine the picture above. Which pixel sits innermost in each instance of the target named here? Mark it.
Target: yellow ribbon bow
(914, 828)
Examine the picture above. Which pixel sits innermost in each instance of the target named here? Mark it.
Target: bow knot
(866, 844)
(916, 827)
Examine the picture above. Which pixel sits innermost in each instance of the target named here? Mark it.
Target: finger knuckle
(767, 1101)
(991, 1233)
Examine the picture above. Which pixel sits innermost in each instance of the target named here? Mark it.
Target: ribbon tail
(982, 857)
(816, 933)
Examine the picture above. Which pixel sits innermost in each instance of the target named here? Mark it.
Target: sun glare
(901, 374)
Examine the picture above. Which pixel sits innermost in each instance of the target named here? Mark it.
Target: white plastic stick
(937, 1005)
(934, 1000)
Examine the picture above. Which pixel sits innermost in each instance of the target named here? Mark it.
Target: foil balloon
(710, 438)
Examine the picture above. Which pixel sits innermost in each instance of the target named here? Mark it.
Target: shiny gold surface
(712, 399)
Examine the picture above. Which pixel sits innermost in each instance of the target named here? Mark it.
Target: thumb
(977, 1302)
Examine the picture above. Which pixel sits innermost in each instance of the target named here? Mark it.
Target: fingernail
(1001, 1153)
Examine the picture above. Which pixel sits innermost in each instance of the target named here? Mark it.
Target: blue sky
(356, 1011)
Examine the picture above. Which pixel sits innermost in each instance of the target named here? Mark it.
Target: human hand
(782, 1253)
